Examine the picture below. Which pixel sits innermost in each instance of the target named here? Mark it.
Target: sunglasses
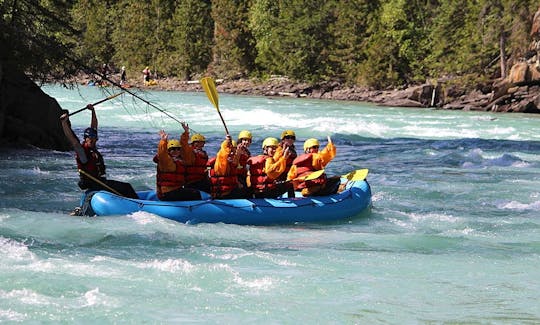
(289, 137)
(314, 147)
(174, 149)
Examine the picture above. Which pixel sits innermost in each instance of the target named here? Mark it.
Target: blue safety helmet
(90, 133)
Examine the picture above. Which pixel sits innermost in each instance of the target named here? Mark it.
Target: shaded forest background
(378, 44)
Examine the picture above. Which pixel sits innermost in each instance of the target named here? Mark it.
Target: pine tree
(192, 30)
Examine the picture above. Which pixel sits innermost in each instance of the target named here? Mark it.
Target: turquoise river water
(453, 235)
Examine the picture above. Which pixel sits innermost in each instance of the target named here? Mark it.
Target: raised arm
(93, 121)
(72, 138)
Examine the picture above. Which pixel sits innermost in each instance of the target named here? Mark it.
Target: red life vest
(95, 166)
(242, 162)
(288, 163)
(304, 167)
(221, 185)
(197, 171)
(258, 178)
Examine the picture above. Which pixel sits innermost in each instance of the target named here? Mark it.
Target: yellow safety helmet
(245, 134)
(198, 137)
(173, 144)
(310, 143)
(287, 133)
(270, 142)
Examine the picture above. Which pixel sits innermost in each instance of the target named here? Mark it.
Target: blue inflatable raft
(354, 199)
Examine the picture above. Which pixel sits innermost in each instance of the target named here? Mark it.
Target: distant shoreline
(419, 96)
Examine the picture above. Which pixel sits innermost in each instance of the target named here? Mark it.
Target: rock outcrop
(28, 116)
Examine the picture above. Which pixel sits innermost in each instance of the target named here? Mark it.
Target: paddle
(96, 103)
(209, 87)
(312, 176)
(100, 182)
(356, 175)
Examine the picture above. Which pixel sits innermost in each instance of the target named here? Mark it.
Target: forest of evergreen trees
(375, 43)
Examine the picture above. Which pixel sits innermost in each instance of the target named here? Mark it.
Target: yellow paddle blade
(314, 175)
(356, 175)
(209, 87)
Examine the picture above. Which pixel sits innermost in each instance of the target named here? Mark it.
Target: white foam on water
(518, 206)
(10, 315)
(260, 284)
(169, 265)
(13, 250)
(27, 297)
(144, 218)
(95, 298)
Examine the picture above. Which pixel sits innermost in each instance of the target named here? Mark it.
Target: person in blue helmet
(90, 161)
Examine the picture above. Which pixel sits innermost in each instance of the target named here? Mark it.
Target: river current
(453, 235)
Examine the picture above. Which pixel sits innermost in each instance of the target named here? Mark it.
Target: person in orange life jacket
(90, 160)
(313, 160)
(264, 170)
(224, 173)
(288, 137)
(197, 173)
(172, 159)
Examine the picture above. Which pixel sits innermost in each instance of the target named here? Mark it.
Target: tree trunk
(502, 43)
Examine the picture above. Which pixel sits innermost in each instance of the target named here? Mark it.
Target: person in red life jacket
(224, 173)
(172, 159)
(197, 173)
(90, 160)
(313, 160)
(264, 170)
(243, 153)
(288, 137)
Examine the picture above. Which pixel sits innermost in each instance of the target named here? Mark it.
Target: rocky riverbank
(520, 92)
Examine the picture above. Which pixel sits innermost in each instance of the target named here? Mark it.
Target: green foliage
(263, 16)
(233, 52)
(377, 43)
(140, 33)
(302, 39)
(350, 32)
(38, 38)
(92, 18)
(191, 39)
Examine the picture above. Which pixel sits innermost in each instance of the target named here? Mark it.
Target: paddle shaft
(209, 87)
(96, 103)
(100, 182)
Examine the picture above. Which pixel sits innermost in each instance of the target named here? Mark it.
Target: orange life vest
(304, 167)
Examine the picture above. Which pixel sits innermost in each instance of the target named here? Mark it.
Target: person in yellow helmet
(242, 151)
(313, 160)
(172, 160)
(224, 172)
(197, 174)
(264, 170)
(288, 137)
